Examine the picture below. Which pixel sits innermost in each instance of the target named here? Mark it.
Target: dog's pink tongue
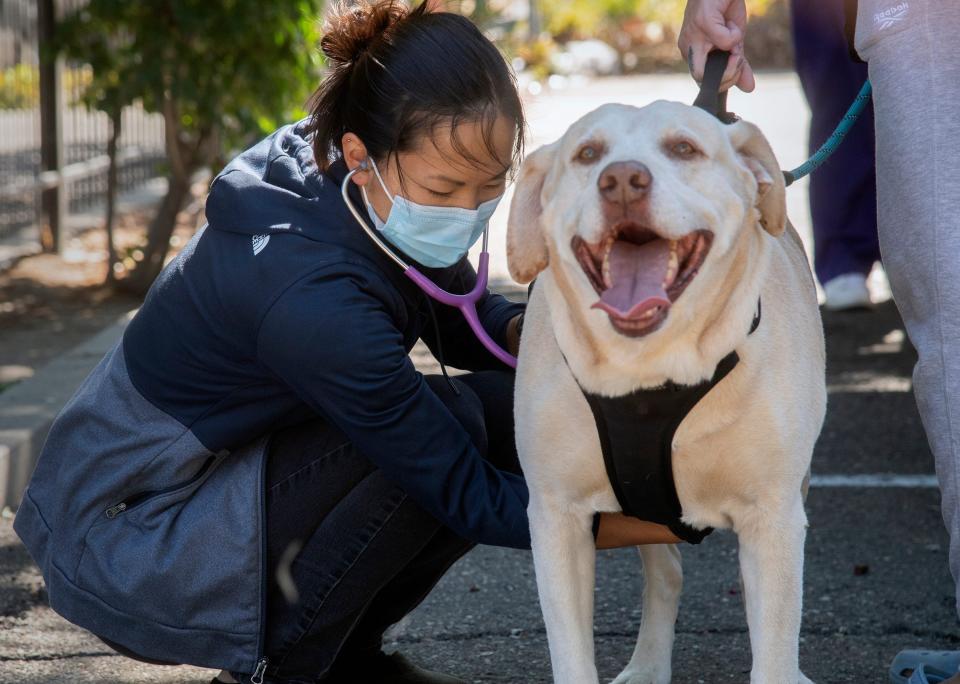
(636, 273)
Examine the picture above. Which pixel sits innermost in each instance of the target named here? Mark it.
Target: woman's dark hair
(396, 74)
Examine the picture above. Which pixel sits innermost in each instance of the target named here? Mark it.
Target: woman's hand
(709, 24)
(617, 530)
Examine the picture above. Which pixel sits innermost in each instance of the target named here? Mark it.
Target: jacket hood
(275, 185)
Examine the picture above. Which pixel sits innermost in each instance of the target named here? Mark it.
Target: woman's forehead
(470, 150)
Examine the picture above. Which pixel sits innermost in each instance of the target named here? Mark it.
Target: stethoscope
(467, 303)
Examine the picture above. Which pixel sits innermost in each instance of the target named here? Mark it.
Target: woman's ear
(355, 155)
(756, 154)
(526, 243)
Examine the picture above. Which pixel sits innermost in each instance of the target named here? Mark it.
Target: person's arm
(332, 339)
(709, 24)
(461, 348)
(513, 334)
(617, 530)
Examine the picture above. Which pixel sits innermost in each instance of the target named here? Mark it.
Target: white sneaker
(848, 291)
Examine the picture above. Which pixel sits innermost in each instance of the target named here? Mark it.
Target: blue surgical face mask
(433, 236)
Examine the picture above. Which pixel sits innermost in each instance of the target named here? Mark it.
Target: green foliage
(585, 18)
(19, 87)
(238, 67)
(667, 12)
(536, 55)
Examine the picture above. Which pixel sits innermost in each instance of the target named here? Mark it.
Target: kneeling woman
(256, 477)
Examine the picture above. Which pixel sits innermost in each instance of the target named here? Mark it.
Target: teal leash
(833, 142)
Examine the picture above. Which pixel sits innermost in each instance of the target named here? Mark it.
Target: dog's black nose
(624, 182)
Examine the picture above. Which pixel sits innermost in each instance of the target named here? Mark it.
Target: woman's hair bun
(352, 26)
(395, 73)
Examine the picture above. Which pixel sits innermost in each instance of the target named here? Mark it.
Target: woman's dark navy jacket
(145, 511)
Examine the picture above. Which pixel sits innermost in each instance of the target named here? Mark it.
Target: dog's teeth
(605, 269)
(649, 313)
(673, 265)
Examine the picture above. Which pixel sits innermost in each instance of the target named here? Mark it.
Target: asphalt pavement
(876, 577)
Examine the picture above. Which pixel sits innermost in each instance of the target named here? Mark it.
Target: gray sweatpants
(911, 48)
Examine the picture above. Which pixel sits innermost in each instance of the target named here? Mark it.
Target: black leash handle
(710, 98)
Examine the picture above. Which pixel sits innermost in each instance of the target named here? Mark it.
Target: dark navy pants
(843, 193)
(368, 555)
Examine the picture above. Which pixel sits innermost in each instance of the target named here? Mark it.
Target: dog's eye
(589, 153)
(683, 149)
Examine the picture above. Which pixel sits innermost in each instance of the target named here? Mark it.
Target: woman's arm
(333, 341)
(618, 530)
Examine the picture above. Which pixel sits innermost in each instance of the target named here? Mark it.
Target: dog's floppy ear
(526, 243)
(755, 153)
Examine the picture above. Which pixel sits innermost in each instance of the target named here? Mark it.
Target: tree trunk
(158, 238)
(184, 159)
(116, 125)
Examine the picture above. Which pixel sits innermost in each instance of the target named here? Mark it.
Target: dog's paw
(642, 675)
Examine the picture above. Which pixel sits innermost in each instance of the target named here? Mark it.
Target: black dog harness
(636, 436)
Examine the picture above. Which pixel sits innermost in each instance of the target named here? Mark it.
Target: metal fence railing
(61, 149)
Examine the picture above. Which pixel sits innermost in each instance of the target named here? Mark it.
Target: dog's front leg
(564, 557)
(771, 563)
(663, 580)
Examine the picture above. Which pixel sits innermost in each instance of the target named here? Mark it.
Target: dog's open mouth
(638, 273)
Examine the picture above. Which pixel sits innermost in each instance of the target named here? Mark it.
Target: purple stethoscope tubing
(467, 303)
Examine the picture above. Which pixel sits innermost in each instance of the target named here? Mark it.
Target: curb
(28, 408)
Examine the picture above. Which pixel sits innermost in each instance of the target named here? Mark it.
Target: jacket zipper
(258, 673)
(262, 662)
(140, 497)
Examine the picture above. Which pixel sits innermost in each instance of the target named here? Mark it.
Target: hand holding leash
(720, 24)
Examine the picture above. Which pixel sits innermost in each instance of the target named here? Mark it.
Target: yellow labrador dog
(653, 233)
